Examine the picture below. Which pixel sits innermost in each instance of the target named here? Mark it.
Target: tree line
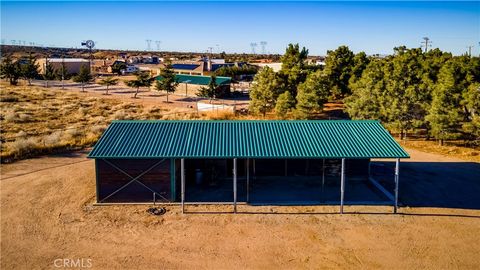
(432, 93)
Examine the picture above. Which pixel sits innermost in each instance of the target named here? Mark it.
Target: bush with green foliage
(10, 70)
(167, 81)
(285, 103)
(83, 77)
(143, 79)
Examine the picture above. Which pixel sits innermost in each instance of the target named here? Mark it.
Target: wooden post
(397, 172)
(182, 173)
(342, 186)
(235, 185)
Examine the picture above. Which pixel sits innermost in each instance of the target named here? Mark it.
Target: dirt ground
(47, 214)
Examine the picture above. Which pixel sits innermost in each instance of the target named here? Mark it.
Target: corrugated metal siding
(242, 139)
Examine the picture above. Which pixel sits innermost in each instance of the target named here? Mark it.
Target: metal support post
(248, 180)
(397, 172)
(182, 173)
(342, 186)
(235, 185)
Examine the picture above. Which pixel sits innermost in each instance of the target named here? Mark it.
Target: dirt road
(46, 214)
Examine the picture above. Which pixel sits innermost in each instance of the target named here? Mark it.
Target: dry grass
(36, 120)
(218, 115)
(453, 151)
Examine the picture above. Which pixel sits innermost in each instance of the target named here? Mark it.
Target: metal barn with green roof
(254, 162)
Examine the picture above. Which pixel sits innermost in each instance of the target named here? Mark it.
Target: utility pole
(469, 50)
(263, 43)
(149, 42)
(426, 41)
(253, 45)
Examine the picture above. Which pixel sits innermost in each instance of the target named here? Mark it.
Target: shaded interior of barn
(259, 181)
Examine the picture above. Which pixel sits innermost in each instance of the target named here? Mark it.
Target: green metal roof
(247, 139)
(197, 79)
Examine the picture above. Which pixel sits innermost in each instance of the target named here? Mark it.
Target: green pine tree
(285, 103)
(30, 69)
(167, 81)
(49, 73)
(312, 95)
(10, 70)
(142, 79)
(263, 92)
(338, 67)
(84, 76)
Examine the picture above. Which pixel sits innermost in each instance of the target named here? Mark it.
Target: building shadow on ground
(434, 184)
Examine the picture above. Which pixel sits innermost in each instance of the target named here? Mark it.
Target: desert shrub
(154, 109)
(11, 117)
(24, 118)
(119, 115)
(97, 129)
(22, 146)
(73, 133)
(82, 110)
(52, 139)
(98, 120)
(69, 106)
(21, 134)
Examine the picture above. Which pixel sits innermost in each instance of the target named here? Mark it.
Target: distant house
(203, 67)
(275, 66)
(72, 65)
(195, 68)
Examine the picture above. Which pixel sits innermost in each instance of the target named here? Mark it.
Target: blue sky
(373, 27)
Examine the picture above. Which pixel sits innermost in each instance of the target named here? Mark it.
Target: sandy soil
(47, 213)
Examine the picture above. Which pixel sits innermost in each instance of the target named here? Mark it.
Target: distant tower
(469, 50)
(263, 44)
(427, 43)
(158, 42)
(253, 45)
(149, 44)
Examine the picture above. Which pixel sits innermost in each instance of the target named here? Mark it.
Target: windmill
(263, 44)
(253, 45)
(90, 44)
